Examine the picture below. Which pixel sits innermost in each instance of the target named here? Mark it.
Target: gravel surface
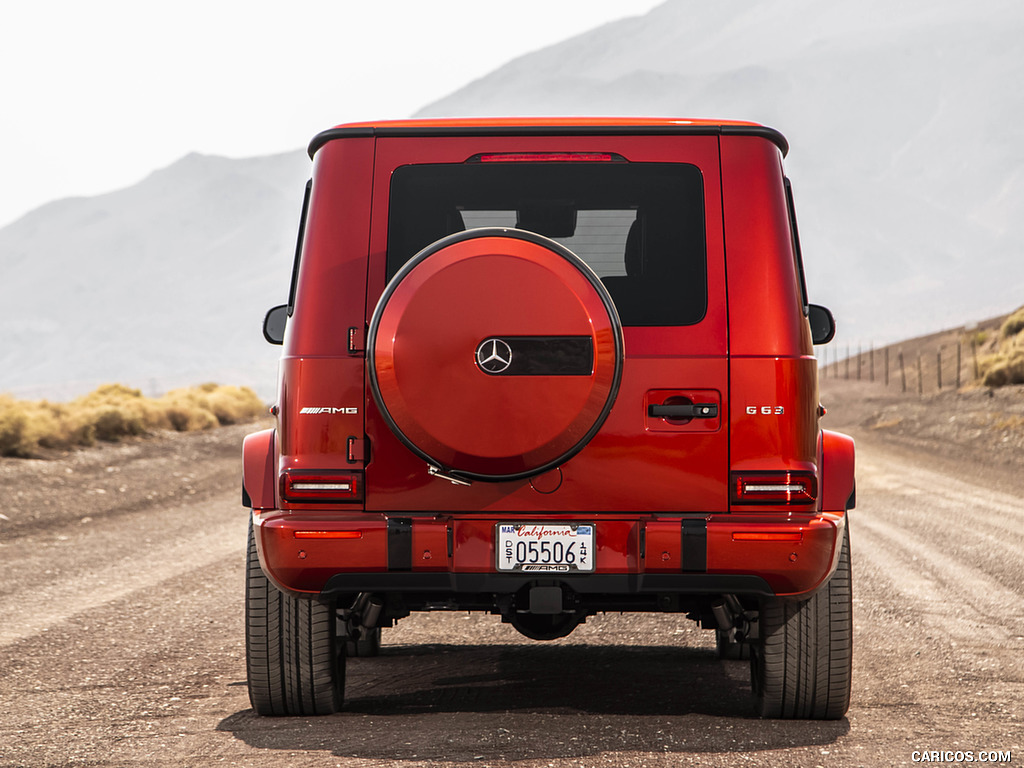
(121, 637)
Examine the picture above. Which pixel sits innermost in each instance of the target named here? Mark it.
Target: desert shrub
(12, 427)
(27, 426)
(109, 393)
(184, 418)
(113, 423)
(1002, 369)
(232, 405)
(1013, 325)
(208, 405)
(114, 411)
(185, 411)
(46, 425)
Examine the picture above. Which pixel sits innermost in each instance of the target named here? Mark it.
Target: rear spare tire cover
(495, 354)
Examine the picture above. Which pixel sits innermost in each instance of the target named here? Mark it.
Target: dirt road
(121, 638)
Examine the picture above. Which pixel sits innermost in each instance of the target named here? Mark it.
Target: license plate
(558, 548)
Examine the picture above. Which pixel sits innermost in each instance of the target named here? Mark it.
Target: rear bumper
(589, 584)
(769, 554)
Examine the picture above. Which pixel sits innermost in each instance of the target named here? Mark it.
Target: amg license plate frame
(544, 547)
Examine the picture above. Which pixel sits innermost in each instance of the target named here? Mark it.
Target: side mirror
(274, 323)
(823, 325)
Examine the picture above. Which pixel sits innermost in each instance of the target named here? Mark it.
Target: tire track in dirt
(78, 568)
(950, 547)
(937, 586)
(132, 652)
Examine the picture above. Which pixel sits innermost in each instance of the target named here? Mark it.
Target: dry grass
(1005, 363)
(114, 411)
(1014, 324)
(1002, 368)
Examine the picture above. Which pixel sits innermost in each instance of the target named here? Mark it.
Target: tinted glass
(640, 226)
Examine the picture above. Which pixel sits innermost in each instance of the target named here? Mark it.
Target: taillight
(774, 488)
(545, 157)
(321, 486)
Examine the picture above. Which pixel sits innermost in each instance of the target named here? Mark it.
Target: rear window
(639, 226)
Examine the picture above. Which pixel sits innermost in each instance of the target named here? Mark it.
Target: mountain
(903, 120)
(159, 285)
(907, 167)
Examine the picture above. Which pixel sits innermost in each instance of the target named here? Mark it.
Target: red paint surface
(789, 567)
(425, 355)
(751, 350)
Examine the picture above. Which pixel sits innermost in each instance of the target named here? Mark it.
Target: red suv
(546, 369)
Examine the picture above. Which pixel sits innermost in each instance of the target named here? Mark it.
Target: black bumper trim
(399, 544)
(695, 546)
(602, 583)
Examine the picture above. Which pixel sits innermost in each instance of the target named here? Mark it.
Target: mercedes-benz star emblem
(494, 356)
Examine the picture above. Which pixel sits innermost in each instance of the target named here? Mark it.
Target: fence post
(958, 362)
(903, 371)
(938, 367)
(860, 360)
(887, 367)
(974, 354)
(920, 375)
(871, 361)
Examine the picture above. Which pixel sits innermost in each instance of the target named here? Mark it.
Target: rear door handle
(684, 411)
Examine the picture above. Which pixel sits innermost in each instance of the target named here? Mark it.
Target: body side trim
(259, 475)
(838, 481)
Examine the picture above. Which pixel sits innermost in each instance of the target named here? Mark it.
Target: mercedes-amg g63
(545, 369)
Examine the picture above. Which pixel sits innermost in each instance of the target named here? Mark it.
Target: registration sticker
(545, 547)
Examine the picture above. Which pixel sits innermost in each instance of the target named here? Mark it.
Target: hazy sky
(95, 95)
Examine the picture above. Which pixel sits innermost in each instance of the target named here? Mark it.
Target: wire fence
(921, 370)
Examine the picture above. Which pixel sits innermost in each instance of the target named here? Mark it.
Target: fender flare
(838, 481)
(259, 474)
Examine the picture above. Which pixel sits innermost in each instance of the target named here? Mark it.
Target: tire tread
(293, 660)
(801, 667)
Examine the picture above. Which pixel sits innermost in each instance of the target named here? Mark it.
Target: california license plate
(559, 548)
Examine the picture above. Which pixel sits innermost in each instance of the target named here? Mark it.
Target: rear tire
(295, 664)
(801, 666)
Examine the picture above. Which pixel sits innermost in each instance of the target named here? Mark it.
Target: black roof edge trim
(338, 133)
(760, 131)
(763, 131)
